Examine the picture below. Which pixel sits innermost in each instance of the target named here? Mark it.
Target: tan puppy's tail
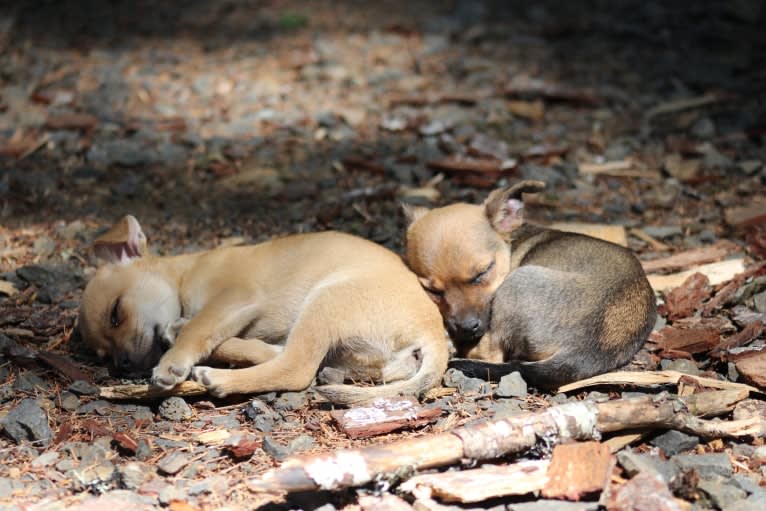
(434, 363)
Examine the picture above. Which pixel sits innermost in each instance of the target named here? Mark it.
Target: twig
(148, 392)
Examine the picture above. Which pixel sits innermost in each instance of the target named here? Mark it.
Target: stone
(262, 415)
(30, 381)
(94, 476)
(721, 492)
(455, 378)
(707, 465)
(663, 232)
(634, 463)
(173, 462)
(505, 408)
(275, 449)
(550, 175)
(511, 385)
(673, 442)
(703, 129)
(28, 422)
(83, 388)
(291, 401)
(331, 376)
(170, 493)
(45, 459)
(302, 443)
(69, 401)
(8, 486)
(175, 409)
(132, 475)
(681, 365)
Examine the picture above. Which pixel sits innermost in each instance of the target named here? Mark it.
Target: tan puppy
(289, 305)
(559, 306)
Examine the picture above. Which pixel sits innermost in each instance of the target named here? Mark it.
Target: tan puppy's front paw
(216, 380)
(173, 329)
(172, 370)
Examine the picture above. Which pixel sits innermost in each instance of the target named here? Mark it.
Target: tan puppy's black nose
(122, 363)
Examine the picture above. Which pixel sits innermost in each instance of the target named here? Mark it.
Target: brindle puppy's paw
(215, 380)
(172, 369)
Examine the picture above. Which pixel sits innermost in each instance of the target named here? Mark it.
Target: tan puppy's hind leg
(293, 369)
(244, 352)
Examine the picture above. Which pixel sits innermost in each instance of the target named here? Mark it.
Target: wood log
(495, 438)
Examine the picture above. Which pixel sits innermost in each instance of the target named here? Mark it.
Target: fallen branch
(645, 378)
(143, 392)
(492, 439)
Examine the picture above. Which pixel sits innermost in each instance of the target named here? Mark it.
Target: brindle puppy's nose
(466, 329)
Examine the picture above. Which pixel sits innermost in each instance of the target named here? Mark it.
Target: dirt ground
(219, 123)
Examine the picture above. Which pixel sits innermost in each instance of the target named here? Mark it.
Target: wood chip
(749, 333)
(484, 483)
(577, 470)
(678, 105)
(744, 216)
(688, 297)
(7, 288)
(216, 436)
(690, 340)
(612, 233)
(682, 169)
(459, 163)
(717, 273)
(621, 168)
(694, 256)
(72, 121)
(532, 110)
(383, 416)
(753, 369)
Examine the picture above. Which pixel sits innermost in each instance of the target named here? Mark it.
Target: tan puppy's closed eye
(556, 306)
(282, 309)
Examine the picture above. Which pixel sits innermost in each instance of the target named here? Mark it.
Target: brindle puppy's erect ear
(504, 208)
(413, 213)
(122, 243)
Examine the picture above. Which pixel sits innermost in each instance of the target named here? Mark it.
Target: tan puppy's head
(128, 306)
(461, 255)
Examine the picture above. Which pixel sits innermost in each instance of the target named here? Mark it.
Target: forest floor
(218, 123)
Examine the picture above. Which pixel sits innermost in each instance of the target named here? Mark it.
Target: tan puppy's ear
(122, 243)
(413, 213)
(504, 208)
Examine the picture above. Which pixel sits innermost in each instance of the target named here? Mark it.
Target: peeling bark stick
(145, 391)
(492, 439)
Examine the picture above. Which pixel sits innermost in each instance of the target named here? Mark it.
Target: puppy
(558, 306)
(282, 308)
